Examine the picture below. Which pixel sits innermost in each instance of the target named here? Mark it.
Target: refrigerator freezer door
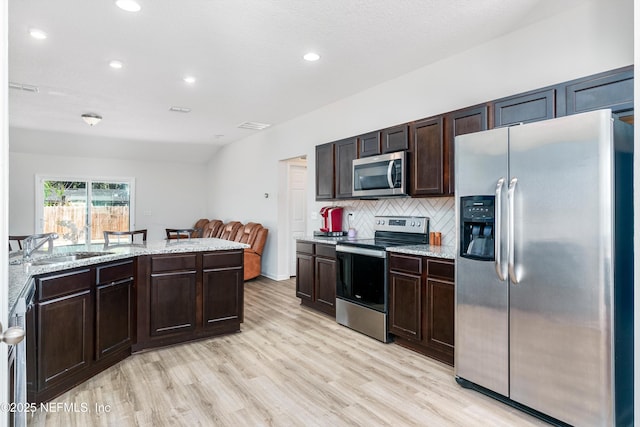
(481, 330)
(561, 306)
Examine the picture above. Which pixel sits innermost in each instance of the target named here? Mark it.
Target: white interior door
(297, 207)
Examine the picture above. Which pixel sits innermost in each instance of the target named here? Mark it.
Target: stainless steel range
(362, 288)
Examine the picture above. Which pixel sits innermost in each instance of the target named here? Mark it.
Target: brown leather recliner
(255, 235)
(199, 227)
(229, 230)
(212, 229)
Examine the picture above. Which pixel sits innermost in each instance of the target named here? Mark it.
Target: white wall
(595, 37)
(174, 193)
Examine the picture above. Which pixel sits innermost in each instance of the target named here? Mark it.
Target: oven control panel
(402, 224)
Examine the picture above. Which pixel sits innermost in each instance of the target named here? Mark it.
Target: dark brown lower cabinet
(421, 304)
(65, 332)
(114, 308)
(172, 306)
(80, 324)
(222, 291)
(316, 276)
(183, 297)
(405, 291)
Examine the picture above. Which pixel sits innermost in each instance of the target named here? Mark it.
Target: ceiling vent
(180, 109)
(26, 88)
(254, 125)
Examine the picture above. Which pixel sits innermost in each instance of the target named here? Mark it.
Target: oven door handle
(361, 251)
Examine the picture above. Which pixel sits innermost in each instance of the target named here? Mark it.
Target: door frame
(285, 239)
(291, 164)
(4, 203)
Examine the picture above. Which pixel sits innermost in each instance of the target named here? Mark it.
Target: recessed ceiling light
(37, 34)
(115, 64)
(311, 56)
(128, 5)
(189, 79)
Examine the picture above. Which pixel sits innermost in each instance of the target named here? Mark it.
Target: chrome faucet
(31, 244)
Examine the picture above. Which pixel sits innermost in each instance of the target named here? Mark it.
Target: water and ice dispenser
(477, 226)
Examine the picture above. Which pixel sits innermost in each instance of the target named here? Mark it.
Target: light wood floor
(289, 366)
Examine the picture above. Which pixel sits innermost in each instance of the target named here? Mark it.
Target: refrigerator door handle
(498, 230)
(511, 237)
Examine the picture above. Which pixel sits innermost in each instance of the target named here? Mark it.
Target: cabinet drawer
(328, 251)
(114, 272)
(222, 259)
(304, 247)
(405, 263)
(173, 263)
(442, 269)
(63, 283)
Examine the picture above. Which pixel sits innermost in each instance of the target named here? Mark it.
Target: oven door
(361, 276)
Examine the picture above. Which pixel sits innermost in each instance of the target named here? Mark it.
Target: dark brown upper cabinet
(460, 122)
(325, 172)
(613, 89)
(369, 144)
(345, 151)
(525, 108)
(395, 139)
(427, 157)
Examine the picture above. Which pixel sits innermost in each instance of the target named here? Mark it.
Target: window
(79, 210)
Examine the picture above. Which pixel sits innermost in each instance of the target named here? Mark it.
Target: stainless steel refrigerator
(544, 267)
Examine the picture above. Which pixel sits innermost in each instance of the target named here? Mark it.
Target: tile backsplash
(439, 210)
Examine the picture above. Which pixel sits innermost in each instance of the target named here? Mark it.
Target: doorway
(292, 213)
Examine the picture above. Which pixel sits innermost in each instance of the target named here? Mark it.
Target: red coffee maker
(331, 220)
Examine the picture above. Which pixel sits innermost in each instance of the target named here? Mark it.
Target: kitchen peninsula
(90, 306)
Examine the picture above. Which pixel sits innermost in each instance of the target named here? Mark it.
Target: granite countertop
(322, 239)
(448, 252)
(21, 274)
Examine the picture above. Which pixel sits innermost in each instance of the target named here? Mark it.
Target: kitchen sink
(57, 259)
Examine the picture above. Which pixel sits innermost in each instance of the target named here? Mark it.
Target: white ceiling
(245, 54)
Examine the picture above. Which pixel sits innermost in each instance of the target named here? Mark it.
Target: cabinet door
(526, 108)
(173, 303)
(346, 151)
(222, 291)
(440, 315)
(469, 120)
(395, 139)
(369, 144)
(304, 276)
(427, 158)
(326, 282)
(65, 337)
(325, 172)
(405, 305)
(113, 317)
(606, 90)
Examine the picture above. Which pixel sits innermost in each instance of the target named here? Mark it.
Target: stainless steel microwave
(380, 176)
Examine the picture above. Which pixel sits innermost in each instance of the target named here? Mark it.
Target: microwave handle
(389, 176)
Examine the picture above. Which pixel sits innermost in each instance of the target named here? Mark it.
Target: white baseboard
(275, 277)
